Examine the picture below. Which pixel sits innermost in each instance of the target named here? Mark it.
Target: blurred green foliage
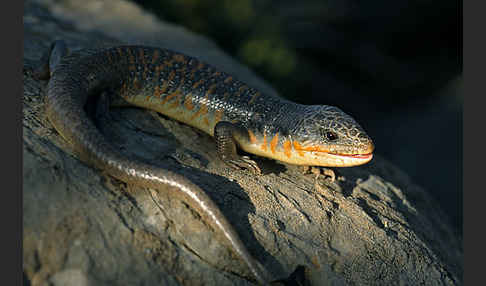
(316, 51)
(248, 32)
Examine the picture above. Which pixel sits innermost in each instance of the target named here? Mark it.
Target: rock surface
(371, 226)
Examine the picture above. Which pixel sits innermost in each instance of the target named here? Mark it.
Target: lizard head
(331, 138)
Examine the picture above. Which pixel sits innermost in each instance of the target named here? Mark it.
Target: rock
(372, 225)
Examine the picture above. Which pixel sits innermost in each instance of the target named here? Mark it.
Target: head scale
(328, 129)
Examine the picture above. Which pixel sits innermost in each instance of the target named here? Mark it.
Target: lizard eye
(331, 136)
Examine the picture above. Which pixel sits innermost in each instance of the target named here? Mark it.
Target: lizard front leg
(226, 148)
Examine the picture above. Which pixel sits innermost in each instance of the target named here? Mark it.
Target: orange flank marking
(264, 144)
(188, 102)
(228, 79)
(218, 114)
(203, 110)
(287, 148)
(273, 143)
(155, 56)
(206, 121)
(252, 136)
(170, 96)
(316, 148)
(211, 89)
(197, 84)
(298, 148)
(216, 74)
(257, 94)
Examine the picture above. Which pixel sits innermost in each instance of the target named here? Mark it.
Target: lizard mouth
(345, 160)
(356, 156)
(321, 156)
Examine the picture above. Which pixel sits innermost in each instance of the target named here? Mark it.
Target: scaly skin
(197, 94)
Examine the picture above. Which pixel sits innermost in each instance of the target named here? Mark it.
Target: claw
(244, 162)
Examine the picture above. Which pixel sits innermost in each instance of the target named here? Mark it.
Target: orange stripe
(253, 139)
(206, 121)
(298, 148)
(156, 93)
(316, 148)
(273, 143)
(203, 110)
(264, 144)
(188, 102)
(228, 79)
(170, 96)
(287, 148)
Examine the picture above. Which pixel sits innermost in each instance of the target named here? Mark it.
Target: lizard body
(199, 95)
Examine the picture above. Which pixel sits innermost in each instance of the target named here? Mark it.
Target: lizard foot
(318, 171)
(244, 162)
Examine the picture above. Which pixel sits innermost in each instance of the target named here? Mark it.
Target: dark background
(395, 66)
